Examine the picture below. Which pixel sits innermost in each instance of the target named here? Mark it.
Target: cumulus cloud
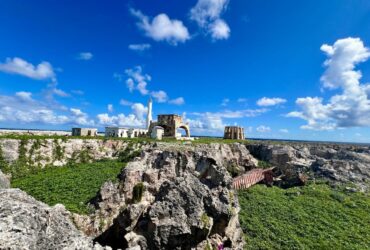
(265, 101)
(177, 101)
(16, 65)
(139, 47)
(137, 80)
(284, 130)
(85, 56)
(136, 119)
(162, 28)
(16, 110)
(350, 108)
(207, 14)
(213, 122)
(263, 129)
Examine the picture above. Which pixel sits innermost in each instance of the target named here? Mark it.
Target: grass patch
(73, 185)
(310, 217)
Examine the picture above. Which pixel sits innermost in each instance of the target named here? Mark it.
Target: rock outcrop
(337, 163)
(29, 224)
(4, 182)
(172, 197)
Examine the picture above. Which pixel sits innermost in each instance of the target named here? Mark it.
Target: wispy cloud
(85, 56)
(139, 47)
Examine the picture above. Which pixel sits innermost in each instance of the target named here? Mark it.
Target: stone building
(170, 124)
(84, 132)
(234, 132)
(137, 132)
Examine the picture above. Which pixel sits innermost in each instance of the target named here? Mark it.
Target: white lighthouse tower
(149, 115)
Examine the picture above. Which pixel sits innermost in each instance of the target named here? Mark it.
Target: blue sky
(258, 64)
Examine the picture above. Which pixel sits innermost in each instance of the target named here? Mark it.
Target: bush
(137, 192)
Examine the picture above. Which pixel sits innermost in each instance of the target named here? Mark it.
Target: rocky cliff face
(29, 224)
(334, 162)
(172, 197)
(58, 152)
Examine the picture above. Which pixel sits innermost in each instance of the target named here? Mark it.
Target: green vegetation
(315, 216)
(73, 185)
(137, 192)
(264, 164)
(3, 164)
(205, 220)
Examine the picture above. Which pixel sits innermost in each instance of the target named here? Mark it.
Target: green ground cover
(315, 216)
(72, 185)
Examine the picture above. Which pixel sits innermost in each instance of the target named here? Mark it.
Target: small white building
(157, 133)
(116, 132)
(137, 132)
(84, 132)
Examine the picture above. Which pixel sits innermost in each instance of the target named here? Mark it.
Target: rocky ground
(174, 196)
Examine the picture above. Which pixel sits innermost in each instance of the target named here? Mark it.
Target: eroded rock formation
(29, 224)
(187, 201)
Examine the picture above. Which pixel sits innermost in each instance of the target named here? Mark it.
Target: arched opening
(183, 130)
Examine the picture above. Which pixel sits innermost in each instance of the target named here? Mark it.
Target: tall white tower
(149, 115)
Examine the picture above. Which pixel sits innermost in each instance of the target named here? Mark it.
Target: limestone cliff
(185, 200)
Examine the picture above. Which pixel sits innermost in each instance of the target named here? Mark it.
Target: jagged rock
(334, 162)
(29, 224)
(187, 201)
(4, 182)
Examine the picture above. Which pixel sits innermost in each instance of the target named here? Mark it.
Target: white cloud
(284, 130)
(137, 80)
(225, 102)
(18, 66)
(85, 56)
(219, 30)
(207, 14)
(124, 102)
(351, 108)
(177, 101)
(265, 101)
(136, 119)
(162, 28)
(16, 110)
(25, 96)
(60, 92)
(263, 129)
(160, 96)
(139, 47)
(110, 108)
(139, 110)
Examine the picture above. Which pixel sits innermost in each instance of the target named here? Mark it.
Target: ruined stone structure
(234, 132)
(170, 124)
(116, 132)
(84, 132)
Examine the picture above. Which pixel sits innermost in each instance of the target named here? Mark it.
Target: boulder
(29, 224)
